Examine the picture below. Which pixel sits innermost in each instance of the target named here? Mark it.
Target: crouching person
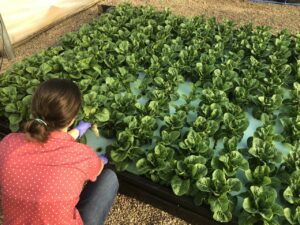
(43, 169)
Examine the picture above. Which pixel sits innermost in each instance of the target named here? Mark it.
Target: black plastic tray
(164, 199)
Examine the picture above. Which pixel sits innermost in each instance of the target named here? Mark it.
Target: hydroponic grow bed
(177, 98)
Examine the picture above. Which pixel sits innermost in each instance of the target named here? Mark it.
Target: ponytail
(36, 129)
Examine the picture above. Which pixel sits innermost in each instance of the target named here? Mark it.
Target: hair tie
(40, 121)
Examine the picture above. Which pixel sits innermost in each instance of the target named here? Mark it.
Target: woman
(43, 169)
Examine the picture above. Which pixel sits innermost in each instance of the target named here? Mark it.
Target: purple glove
(103, 157)
(82, 127)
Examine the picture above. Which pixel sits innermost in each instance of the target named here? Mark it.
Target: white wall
(23, 18)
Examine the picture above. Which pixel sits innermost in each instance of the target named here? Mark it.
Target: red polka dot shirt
(41, 183)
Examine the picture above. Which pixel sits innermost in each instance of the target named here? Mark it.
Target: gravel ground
(240, 11)
(127, 210)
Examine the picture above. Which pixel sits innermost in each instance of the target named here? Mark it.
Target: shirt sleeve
(94, 165)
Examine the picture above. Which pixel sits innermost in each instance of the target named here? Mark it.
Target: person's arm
(79, 130)
(96, 166)
(74, 133)
(99, 172)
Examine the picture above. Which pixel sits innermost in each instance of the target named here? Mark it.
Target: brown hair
(56, 102)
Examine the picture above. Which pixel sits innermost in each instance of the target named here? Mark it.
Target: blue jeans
(97, 197)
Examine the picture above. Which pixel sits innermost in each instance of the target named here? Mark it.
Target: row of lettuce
(231, 69)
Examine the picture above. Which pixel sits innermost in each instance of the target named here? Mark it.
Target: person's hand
(82, 127)
(104, 158)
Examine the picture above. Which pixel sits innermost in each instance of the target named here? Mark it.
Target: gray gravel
(127, 210)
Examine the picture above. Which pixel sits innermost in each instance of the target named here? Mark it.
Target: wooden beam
(4, 38)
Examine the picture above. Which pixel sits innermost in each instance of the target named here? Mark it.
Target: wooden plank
(4, 38)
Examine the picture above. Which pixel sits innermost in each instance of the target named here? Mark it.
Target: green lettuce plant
(260, 206)
(261, 146)
(292, 192)
(292, 160)
(196, 143)
(125, 149)
(159, 165)
(260, 176)
(292, 216)
(218, 187)
(230, 162)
